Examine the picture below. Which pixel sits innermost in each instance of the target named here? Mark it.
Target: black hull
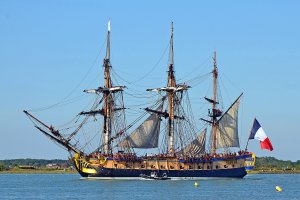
(109, 173)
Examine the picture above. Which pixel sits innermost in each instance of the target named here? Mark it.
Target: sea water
(70, 186)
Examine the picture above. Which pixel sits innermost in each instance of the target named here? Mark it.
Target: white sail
(146, 135)
(197, 146)
(227, 128)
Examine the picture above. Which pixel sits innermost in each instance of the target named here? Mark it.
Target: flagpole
(247, 144)
(249, 137)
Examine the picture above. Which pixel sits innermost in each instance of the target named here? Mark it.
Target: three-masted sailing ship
(184, 155)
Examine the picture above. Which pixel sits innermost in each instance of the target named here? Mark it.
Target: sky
(51, 50)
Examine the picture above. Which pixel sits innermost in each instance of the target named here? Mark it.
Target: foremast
(109, 106)
(108, 101)
(107, 111)
(214, 102)
(171, 95)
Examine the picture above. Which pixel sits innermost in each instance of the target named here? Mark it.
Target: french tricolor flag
(258, 133)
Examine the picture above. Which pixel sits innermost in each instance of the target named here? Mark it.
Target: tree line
(261, 163)
(12, 163)
(274, 163)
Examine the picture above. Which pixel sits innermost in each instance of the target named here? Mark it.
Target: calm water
(54, 186)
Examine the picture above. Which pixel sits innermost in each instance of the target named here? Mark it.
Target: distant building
(26, 167)
(64, 166)
(53, 166)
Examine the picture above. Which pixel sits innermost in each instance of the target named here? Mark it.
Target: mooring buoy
(278, 188)
(196, 184)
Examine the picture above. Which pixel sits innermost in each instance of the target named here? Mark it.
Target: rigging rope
(85, 119)
(203, 64)
(63, 100)
(147, 73)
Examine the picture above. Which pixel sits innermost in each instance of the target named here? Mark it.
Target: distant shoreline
(61, 171)
(38, 171)
(264, 165)
(270, 171)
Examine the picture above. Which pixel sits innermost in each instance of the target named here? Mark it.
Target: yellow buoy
(278, 188)
(196, 184)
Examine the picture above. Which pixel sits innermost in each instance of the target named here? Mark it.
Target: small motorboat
(154, 176)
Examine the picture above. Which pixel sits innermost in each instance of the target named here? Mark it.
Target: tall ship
(171, 145)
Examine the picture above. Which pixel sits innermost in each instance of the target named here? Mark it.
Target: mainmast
(171, 90)
(214, 102)
(171, 95)
(108, 101)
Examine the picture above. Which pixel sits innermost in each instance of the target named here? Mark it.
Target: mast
(214, 102)
(171, 90)
(108, 101)
(171, 95)
(109, 106)
(223, 125)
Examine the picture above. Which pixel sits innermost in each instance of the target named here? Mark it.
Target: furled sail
(146, 135)
(197, 146)
(227, 127)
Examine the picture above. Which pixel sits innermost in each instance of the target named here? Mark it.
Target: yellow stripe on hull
(89, 170)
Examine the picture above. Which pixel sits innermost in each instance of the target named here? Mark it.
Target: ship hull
(228, 167)
(106, 173)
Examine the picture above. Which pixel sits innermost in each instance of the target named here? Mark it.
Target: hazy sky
(49, 49)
